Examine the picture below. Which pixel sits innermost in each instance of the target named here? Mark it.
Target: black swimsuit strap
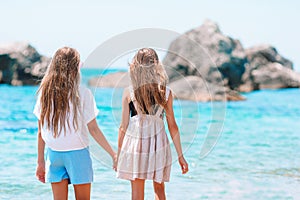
(132, 109)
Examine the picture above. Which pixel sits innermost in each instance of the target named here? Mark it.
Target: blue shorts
(73, 165)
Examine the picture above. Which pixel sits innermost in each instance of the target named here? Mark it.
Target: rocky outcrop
(21, 64)
(221, 61)
(266, 69)
(206, 52)
(205, 65)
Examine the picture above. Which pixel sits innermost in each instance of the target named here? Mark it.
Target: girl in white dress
(143, 147)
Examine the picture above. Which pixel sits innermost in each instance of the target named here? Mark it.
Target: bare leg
(60, 190)
(159, 189)
(137, 189)
(82, 191)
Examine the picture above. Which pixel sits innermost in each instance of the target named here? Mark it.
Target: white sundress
(145, 151)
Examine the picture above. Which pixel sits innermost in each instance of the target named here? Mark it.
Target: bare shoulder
(169, 107)
(170, 96)
(169, 92)
(126, 94)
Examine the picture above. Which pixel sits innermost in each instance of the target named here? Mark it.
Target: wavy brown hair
(149, 80)
(60, 88)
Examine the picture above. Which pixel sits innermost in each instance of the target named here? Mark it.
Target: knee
(159, 187)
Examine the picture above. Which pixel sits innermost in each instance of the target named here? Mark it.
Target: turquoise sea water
(257, 155)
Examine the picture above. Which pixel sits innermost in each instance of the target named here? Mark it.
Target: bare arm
(40, 170)
(99, 137)
(125, 118)
(174, 132)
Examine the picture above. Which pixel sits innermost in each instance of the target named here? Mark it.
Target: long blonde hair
(59, 88)
(148, 79)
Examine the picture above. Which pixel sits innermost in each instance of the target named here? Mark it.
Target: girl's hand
(183, 164)
(115, 161)
(40, 172)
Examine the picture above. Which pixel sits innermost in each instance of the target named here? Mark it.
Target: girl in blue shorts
(66, 114)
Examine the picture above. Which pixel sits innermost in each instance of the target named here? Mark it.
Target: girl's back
(143, 146)
(145, 152)
(70, 137)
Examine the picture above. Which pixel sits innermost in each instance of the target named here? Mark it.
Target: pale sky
(84, 25)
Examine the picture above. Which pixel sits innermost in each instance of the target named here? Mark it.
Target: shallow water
(257, 156)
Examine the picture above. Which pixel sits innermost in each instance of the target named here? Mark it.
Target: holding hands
(115, 162)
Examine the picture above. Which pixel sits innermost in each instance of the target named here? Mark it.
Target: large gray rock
(21, 64)
(266, 68)
(223, 62)
(206, 52)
